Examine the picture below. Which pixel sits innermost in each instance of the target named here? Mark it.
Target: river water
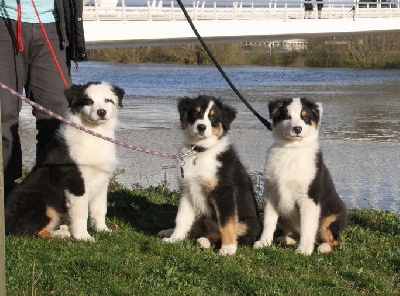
(360, 132)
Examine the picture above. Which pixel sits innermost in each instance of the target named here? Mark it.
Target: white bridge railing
(221, 10)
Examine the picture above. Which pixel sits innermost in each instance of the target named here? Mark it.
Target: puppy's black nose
(201, 127)
(297, 129)
(102, 113)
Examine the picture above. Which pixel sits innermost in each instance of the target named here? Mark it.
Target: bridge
(110, 23)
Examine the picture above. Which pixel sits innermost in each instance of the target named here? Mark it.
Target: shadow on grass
(147, 210)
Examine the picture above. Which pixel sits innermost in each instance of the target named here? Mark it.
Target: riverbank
(371, 51)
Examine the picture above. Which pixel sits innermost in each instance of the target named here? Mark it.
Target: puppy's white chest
(199, 167)
(291, 169)
(198, 171)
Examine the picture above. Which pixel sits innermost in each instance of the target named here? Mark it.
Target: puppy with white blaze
(299, 192)
(72, 181)
(217, 204)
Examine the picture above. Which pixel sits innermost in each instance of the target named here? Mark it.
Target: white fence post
(149, 9)
(123, 11)
(96, 10)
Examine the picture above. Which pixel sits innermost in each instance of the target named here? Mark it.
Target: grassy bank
(133, 261)
(375, 51)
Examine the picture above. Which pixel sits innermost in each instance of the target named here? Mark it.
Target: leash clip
(181, 156)
(181, 159)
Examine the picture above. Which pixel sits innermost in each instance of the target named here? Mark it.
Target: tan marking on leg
(241, 229)
(44, 233)
(326, 235)
(54, 217)
(228, 232)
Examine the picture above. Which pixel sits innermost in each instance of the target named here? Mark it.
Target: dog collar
(194, 150)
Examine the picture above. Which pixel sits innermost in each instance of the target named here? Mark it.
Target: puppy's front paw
(203, 243)
(102, 229)
(227, 250)
(324, 248)
(261, 244)
(84, 237)
(62, 232)
(305, 250)
(172, 239)
(286, 240)
(64, 227)
(165, 233)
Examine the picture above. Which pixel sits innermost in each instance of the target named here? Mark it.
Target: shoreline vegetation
(367, 51)
(131, 260)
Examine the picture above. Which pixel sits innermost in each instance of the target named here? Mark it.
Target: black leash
(265, 122)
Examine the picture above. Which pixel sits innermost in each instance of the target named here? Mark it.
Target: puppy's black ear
(72, 92)
(119, 92)
(316, 109)
(228, 115)
(273, 108)
(183, 107)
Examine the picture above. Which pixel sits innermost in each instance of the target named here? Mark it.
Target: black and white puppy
(72, 180)
(298, 187)
(217, 203)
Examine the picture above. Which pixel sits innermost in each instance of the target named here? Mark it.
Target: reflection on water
(360, 135)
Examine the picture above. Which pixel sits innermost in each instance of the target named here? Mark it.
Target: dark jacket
(71, 29)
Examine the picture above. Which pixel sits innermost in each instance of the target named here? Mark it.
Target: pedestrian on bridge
(308, 8)
(28, 63)
(319, 8)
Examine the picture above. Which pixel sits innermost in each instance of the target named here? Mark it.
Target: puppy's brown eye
(89, 102)
(109, 101)
(287, 117)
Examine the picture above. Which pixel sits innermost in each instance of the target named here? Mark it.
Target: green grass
(133, 261)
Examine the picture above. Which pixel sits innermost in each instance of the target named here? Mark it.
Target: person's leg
(319, 6)
(46, 87)
(13, 67)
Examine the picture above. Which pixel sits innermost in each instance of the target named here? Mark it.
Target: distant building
(283, 45)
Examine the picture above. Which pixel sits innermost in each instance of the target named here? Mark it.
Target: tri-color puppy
(73, 179)
(298, 187)
(217, 203)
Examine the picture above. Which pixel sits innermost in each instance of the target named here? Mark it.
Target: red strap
(20, 45)
(50, 47)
